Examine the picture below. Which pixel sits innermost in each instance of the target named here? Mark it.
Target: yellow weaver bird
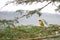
(41, 23)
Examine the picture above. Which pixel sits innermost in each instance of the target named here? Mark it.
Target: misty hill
(50, 18)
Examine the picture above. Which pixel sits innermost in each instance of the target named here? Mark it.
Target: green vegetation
(9, 31)
(26, 32)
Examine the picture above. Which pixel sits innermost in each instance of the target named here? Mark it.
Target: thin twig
(38, 9)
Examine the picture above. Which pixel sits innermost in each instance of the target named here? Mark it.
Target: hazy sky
(13, 7)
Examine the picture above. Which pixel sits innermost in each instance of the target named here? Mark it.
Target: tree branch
(7, 4)
(37, 9)
(45, 6)
(44, 37)
(30, 11)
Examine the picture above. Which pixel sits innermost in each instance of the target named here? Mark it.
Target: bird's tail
(46, 22)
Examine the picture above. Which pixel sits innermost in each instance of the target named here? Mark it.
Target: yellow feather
(41, 23)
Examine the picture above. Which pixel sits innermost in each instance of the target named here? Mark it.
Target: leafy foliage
(26, 32)
(58, 8)
(31, 1)
(8, 23)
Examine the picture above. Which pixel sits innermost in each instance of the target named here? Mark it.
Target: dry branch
(44, 37)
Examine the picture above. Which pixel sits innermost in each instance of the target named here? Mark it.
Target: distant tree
(8, 23)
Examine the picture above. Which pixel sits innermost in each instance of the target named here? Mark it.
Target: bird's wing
(45, 22)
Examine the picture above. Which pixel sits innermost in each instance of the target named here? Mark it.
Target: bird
(42, 27)
(41, 23)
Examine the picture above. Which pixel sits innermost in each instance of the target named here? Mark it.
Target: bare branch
(45, 6)
(37, 9)
(44, 37)
(8, 2)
